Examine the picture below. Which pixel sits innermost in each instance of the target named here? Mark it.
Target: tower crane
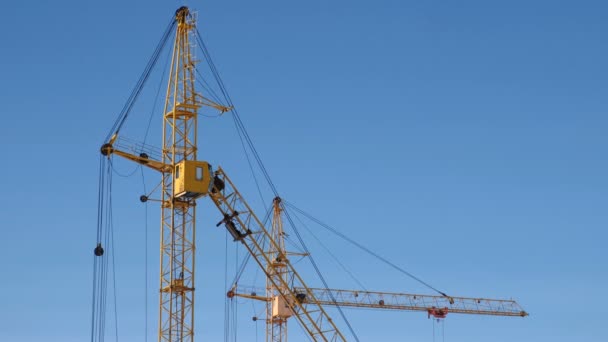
(277, 316)
(185, 178)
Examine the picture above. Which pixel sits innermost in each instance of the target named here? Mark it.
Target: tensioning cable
(363, 248)
(126, 109)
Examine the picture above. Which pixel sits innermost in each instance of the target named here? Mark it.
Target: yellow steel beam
(144, 160)
(177, 246)
(246, 228)
(276, 319)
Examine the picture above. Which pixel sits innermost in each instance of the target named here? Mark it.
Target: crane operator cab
(192, 179)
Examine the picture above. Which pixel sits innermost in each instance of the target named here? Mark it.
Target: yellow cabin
(193, 179)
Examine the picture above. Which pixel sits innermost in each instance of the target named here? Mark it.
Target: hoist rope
(363, 248)
(113, 255)
(103, 250)
(236, 308)
(256, 328)
(147, 148)
(160, 86)
(124, 113)
(99, 262)
(143, 180)
(105, 232)
(226, 299)
(441, 326)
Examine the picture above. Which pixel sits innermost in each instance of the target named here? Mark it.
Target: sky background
(465, 141)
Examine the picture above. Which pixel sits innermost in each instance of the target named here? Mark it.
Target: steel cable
(124, 113)
(363, 248)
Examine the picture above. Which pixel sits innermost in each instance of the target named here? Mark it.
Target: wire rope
(162, 79)
(105, 231)
(124, 113)
(227, 300)
(333, 256)
(113, 254)
(127, 175)
(143, 181)
(318, 271)
(363, 248)
(255, 178)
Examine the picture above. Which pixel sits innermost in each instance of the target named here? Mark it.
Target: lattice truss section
(244, 226)
(413, 302)
(176, 319)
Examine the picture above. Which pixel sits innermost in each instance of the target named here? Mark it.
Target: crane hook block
(437, 312)
(98, 250)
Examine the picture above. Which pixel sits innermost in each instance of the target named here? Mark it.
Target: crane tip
(183, 9)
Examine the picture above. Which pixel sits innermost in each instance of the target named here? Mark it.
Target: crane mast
(277, 312)
(177, 244)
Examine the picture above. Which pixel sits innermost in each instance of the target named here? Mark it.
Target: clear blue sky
(466, 141)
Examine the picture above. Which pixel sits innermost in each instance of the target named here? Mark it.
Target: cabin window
(199, 173)
(177, 172)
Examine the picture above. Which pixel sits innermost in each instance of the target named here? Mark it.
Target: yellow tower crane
(276, 311)
(184, 179)
(434, 305)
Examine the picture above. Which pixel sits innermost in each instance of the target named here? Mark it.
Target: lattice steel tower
(177, 245)
(277, 311)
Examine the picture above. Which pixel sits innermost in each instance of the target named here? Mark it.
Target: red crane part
(437, 312)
